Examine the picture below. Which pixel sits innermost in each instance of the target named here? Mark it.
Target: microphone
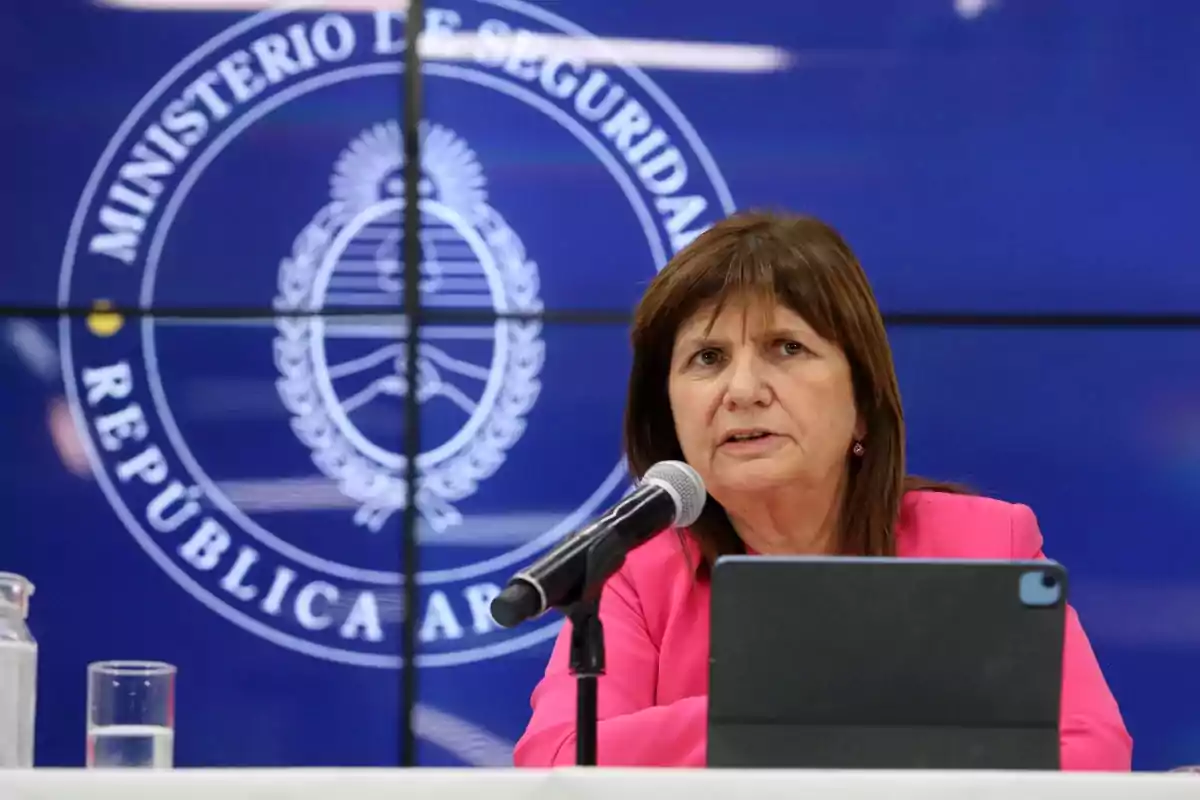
(670, 493)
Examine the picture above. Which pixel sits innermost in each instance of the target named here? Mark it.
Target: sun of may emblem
(339, 373)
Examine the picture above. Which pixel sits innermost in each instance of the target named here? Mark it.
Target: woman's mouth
(746, 437)
(748, 440)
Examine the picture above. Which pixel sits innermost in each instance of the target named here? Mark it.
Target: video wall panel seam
(926, 319)
(411, 102)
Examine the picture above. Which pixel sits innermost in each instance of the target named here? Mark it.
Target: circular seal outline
(87, 197)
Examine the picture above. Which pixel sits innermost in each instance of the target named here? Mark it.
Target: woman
(760, 358)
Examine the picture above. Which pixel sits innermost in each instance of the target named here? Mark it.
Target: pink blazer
(653, 699)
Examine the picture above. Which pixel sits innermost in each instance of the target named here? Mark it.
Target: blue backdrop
(234, 502)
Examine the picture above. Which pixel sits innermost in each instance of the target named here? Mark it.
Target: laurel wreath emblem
(455, 179)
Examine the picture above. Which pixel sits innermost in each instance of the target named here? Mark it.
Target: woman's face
(761, 401)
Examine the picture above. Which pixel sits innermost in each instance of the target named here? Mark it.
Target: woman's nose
(746, 385)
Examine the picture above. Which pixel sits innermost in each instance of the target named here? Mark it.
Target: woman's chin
(753, 478)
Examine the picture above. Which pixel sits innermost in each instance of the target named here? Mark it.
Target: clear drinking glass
(131, 714)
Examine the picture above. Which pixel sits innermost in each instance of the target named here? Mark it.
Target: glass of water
(131, 714)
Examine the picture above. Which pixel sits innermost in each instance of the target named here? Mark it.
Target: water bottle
(18, 673)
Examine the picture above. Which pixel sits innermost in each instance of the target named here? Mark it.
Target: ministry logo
(257, 458)
(354, 244)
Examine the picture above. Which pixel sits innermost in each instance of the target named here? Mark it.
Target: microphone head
(685, 487)
(518, 602)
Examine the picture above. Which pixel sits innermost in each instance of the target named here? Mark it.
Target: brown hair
(804, 264)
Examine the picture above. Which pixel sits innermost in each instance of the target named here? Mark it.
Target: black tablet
(888, 663)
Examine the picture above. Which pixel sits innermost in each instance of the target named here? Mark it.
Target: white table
(585, 784)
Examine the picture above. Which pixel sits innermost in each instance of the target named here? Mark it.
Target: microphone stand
(587, 660)
(587, 665)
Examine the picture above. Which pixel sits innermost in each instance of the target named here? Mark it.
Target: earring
(858, 449)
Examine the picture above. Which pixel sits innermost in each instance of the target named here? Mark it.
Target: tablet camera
(1040, 589)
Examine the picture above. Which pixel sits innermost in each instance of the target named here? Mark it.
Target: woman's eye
(789, 348)
(708, 357)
